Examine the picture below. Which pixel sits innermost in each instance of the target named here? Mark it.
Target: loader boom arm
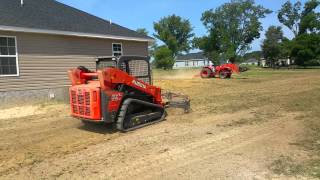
(110, 77)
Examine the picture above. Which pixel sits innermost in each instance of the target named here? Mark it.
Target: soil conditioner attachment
(120, 92)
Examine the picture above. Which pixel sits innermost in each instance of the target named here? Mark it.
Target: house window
(8, 56)
(117, 49)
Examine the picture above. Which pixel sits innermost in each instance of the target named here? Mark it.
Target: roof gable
(54, 16)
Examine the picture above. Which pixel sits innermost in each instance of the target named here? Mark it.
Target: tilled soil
(221, 138)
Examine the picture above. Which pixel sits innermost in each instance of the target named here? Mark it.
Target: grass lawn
(271, 93)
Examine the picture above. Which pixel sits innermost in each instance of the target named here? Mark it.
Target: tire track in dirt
(111, 159)
(197, 151)
(194, 152)
(194, 156)
(206, 147)
(124, 140)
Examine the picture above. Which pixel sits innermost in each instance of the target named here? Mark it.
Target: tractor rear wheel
(205, 73)
(224, 74)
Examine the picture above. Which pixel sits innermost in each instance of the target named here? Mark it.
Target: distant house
(285, 62)
(264, 63)
(252, 61)
(280, 62)
(191, 60)
(41, 39)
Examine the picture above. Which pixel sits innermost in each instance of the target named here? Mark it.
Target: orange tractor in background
(223, 71)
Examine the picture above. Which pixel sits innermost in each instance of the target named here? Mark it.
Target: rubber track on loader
(153, 117)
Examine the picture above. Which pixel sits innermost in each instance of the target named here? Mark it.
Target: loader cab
(137, 66)
(104, 62)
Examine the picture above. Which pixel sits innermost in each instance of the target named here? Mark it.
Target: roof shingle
(53, 15)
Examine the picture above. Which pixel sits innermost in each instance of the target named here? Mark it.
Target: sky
(135, 14)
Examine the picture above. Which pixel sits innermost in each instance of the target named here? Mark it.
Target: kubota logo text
(137, 83)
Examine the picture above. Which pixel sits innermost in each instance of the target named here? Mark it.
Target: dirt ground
(238, 129)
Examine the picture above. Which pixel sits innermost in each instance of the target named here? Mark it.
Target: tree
(271, 46)
(306, 49)
(142, 31)
(252, 55)
(285, 47)
(310, 20)
(231, 29)
(298, 21)
(210, 45)
(175, 32)
(289, 15)
(163, 58)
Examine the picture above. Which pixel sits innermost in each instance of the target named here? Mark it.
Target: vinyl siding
(45, 59)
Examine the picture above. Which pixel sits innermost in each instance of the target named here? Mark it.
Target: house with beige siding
(41, 39)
